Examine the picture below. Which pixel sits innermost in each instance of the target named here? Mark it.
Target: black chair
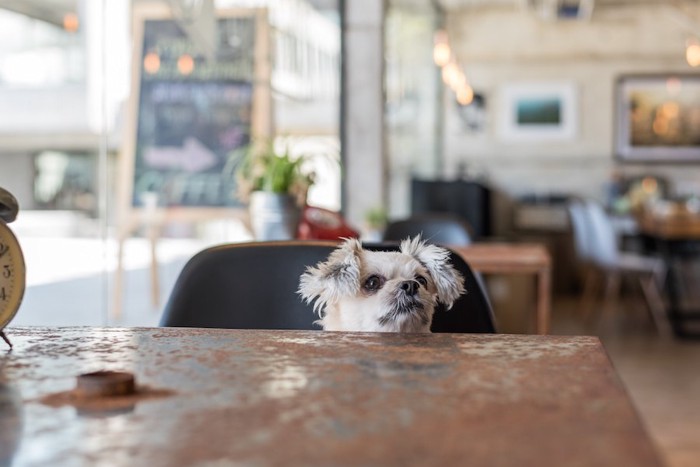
(438, 228)
(254, 286)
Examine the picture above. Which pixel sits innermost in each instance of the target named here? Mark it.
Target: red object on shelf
(322, 224)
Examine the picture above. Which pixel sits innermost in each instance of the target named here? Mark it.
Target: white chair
(596, 245)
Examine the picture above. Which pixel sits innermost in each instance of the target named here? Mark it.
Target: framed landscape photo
(534, 112)
(658, 118)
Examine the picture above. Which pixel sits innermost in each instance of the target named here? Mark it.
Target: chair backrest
(581, 230)
(595, 240)
(604, 249)
(254, 286)
(438, 228)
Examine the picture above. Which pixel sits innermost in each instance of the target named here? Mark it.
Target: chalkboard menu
(192, 112)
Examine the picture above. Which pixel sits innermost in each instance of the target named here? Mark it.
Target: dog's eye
(422, 281)
(373, 283)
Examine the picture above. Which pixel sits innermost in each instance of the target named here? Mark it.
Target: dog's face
(362, 290)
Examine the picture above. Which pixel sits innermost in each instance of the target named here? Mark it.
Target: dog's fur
(385, 291)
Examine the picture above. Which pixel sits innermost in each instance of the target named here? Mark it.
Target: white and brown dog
(385, 291)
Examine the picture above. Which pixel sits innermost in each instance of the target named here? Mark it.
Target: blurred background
(521, 104)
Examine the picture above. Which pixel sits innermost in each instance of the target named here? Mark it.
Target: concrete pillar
(364, 152)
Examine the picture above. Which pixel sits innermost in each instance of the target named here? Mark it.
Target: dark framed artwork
(658, 118)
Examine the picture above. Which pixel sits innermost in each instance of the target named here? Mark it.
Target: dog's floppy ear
(448, 281)
(338, 276)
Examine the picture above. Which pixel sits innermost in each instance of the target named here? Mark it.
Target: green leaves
(280, 174)
(261, 168)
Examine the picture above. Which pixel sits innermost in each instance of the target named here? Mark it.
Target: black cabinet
(468, 199)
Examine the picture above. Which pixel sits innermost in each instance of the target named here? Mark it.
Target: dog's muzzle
(407, 299)
(407, 304)
(410, 287)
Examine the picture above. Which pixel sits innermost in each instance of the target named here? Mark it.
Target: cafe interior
(551, 147)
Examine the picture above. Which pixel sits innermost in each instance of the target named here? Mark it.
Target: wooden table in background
(251, 397)
(675, 237)
(515, 258)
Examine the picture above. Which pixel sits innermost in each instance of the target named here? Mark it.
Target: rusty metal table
(245, 397)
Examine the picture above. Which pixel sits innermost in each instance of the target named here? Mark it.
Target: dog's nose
(410, 287)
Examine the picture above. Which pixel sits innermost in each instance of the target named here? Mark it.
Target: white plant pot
(273, 216)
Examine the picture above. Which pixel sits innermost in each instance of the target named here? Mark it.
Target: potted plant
(375, 223)
(274, 184)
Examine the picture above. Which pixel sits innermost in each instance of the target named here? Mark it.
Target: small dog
(383, 291)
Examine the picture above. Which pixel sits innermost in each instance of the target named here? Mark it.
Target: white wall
(15, 171)
(502, 46)
(364, 158)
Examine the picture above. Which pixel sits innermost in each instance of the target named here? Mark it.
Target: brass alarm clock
(12, 270)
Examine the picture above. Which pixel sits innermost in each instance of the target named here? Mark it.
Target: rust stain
(97, 404)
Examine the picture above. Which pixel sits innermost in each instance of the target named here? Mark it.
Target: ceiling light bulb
(458, 80)
(692, 54)
(465, 95)
(440, 37)
(441, 54)
(450, 73)
(71, 22)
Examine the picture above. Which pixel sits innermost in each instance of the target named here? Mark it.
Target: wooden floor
(662, 375)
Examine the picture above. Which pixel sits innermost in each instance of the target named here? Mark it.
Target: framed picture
(658, 118)
(539, 112)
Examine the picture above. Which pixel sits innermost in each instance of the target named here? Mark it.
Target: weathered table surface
(235, 397)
